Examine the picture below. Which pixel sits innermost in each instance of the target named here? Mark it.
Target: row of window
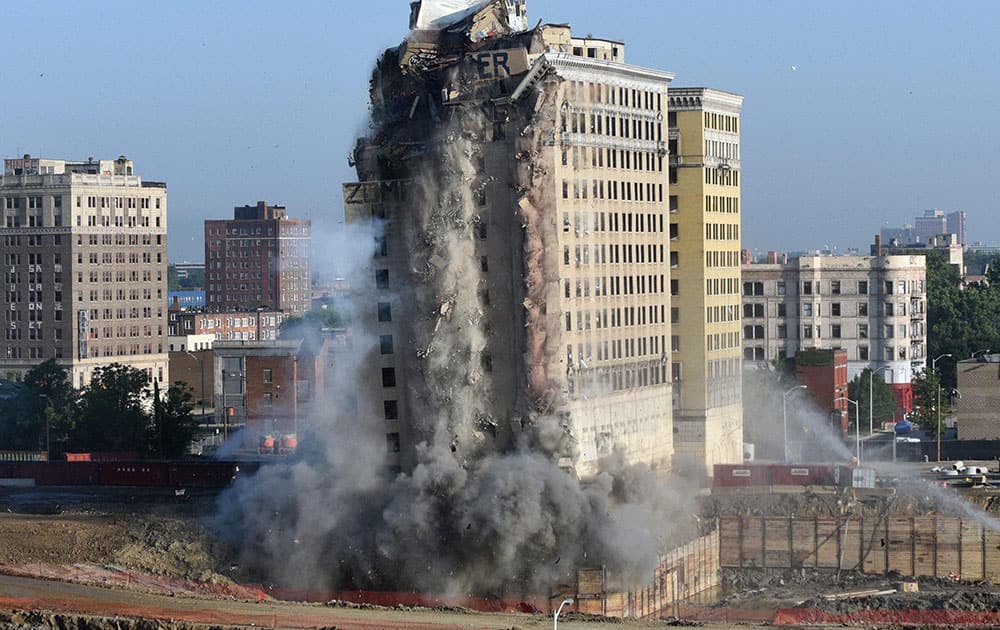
(722, 341)
(839, 287)
(889, 353)
(591, 92)
(720, 286)
(614, 349)
(722, 122)
(617, 317)
(586, 222)
(727, 259)
(31, 240)
(612, 190)
(887, 309)
(722, 231)
(721, 177)
(722, 203)
(615, 285)
(615, 254)
(596, 124)
(914, 330)
(634, 375)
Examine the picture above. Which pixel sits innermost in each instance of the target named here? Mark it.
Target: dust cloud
(483, 506)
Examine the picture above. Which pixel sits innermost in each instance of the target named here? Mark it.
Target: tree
(881, 392)
(925, 401)
(177, 424)
(113, 413)
(43, 412)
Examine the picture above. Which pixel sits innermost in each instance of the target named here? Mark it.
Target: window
(753, 310)
(863, 308)
(267, 400)
(863, 287)
(385, 344)
(807, 287)
(675, 343)
(675, 315)
(889, 309)
(392, 442)
(807, 310)
(381, 278)
(381, 246)
(782, 331)
(835, 309)
(888, 287)
(807, 332)
(890, 331)
(674, 287)
(388, 377)
(782, 310)
(391, 409)
(835, 331)
(673, 232)
(268, 375)
(384, 312)
(781, 288)
(835, 287)
(862, 331)
(863, 353)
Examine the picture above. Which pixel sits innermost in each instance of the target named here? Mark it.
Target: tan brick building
(84, 267)
(979, 405)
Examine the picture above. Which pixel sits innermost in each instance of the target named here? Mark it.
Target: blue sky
(892, 107)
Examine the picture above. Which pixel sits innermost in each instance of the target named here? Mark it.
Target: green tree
(925, 401)
(885, 401)
(177, 425)
(43, 413)
(113, 411)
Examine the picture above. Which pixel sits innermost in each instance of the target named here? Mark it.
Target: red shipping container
(122, 456)
(66, 474)
(134, 474)
(802, 475)
(202, 474)
(740, 475)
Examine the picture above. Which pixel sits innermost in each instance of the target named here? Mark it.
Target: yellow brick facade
(705, 259)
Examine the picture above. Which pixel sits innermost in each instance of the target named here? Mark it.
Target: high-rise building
(956, 225)
(258, 259)
(85, 267)
(533, 277)
(705, 276)
(875, 308)
(932, 223)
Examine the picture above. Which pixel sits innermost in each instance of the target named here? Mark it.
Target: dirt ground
(161, 545)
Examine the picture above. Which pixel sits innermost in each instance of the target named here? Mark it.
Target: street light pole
(784, 415)
(555, 619)
(934, 369)
(48, 421)
(857, 424)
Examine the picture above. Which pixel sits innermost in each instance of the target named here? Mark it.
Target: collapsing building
(523, 278)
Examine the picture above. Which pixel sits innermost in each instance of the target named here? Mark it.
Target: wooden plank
(991, 545)
(828, 545)
(753, 542)
(803, 543)
(900, 543)
(777, 551)
(924, 545)
(851, 540)
(730, 551)
(948, 545)
(972, 551)
(873, 540)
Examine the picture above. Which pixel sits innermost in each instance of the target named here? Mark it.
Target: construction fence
(680, 576)
(936, 546)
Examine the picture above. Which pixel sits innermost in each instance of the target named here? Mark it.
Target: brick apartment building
(230, 326)
(824, 373)
(258, 259)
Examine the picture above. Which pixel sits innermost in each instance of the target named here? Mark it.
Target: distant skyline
(855, 114)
